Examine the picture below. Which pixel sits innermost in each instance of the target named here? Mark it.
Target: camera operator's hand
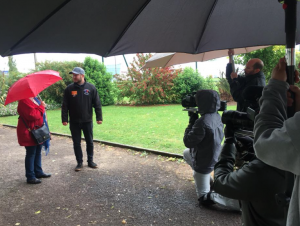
(279, 72)
(244, 144)
(193, 118)
(229, 135)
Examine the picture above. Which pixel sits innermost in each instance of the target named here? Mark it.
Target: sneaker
(79, 167)
(205, 200)
(92, 165)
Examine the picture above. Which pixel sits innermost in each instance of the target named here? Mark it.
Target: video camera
(190, 105)
(242, 123)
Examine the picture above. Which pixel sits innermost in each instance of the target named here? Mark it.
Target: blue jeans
(33, 161)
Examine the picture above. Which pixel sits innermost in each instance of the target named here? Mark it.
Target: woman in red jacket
(31, 110)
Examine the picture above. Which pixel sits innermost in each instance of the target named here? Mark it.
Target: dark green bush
(97, 75)
(54, 93)
(188, 81)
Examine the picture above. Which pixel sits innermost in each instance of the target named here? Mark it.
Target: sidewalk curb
(140, 149)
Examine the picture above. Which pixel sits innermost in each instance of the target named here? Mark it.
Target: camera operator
(255, 184)
(203, 138)
(277, 138)
(253, 77)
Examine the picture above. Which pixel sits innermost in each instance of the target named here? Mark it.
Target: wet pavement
(128, 188)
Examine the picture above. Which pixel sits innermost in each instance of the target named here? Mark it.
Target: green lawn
(155, 127)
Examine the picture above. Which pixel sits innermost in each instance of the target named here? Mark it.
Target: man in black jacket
(79, 99)
(253, 77)
(255, 185)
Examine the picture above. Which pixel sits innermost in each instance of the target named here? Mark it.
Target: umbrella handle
(232, 62)
(45, 108)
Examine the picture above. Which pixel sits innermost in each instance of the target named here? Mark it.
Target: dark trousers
(33, 161)
(87, 128)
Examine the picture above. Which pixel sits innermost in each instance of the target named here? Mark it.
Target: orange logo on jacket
(74, 93)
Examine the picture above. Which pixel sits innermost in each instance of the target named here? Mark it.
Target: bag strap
(25, 123)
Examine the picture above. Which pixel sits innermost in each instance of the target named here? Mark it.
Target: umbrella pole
(232, 62)
(290, 8)
(125, 61)
(290, 30)
(45, 108)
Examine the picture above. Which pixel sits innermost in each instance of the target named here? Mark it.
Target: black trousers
(87, 128)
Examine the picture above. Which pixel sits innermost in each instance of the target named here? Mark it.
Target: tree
(95, 73)
(13, 73)
(12, 65)
(270, 56)
(7, 81)
(147, 85)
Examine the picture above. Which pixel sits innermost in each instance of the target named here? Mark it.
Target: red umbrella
(31, 85)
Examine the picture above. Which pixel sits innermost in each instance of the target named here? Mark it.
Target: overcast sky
(25, 62)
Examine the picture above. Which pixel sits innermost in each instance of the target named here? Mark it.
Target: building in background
(5, 73)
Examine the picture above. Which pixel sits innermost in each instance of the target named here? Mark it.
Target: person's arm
(65, 108)
(276, 140)
(242, 184)
(194, 134)
(97, 106)
(237, 87)
(228, 72)
(30, 113)
(230, 69)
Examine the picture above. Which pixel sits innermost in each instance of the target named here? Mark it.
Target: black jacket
(78, 101)
(255, 184)
(238, 85)
(205, 136)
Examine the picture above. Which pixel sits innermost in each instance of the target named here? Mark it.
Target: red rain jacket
(33, 116)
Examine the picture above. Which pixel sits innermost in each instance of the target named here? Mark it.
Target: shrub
(97, 75)
(210, 84)
(147, 85)
(55, 92)
(188, 81)
(224, 89)
(8, 110)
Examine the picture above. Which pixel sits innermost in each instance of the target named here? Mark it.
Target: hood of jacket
(208, 101)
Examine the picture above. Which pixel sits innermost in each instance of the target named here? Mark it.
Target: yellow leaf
(37, 212)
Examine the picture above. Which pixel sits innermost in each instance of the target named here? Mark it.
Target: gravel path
(129, 188)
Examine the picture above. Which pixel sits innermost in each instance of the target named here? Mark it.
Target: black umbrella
(112, 27)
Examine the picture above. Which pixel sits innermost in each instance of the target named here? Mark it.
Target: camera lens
(237, 119)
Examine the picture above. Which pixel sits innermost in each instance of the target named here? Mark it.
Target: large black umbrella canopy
(113, 27)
